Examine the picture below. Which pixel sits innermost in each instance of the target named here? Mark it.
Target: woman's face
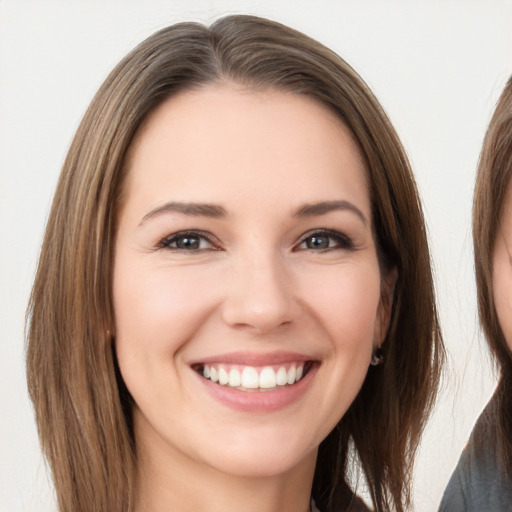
(502, 269)
(247, 289)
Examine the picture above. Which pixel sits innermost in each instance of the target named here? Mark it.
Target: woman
(234, 299)
(482, 479)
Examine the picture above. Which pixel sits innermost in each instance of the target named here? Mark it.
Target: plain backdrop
(436, 66)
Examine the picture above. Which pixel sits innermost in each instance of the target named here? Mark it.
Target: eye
(188, 241)
(325, 240)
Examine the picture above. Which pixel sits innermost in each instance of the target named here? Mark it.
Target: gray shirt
(478, 483)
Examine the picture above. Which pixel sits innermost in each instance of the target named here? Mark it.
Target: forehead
(218, 141)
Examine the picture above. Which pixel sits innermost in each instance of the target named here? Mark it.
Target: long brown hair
(493, 178)
(83, 410)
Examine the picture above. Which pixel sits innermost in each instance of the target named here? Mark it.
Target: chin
(264, 465)
(264, 455)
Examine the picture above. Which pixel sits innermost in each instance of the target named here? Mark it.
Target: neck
(170, 480)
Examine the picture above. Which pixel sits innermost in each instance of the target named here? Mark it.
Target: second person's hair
(493, 178)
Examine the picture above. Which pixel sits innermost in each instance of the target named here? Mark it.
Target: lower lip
(259, 401)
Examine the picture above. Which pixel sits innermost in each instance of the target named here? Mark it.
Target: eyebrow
(324, 207)
(192, 209)
(217, 211)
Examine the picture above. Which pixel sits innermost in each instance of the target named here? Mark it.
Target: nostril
(260, 315)
(260, 324)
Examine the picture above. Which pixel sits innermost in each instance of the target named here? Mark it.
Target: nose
(260, 295)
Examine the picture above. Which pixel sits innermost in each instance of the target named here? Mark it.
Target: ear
(385, 307)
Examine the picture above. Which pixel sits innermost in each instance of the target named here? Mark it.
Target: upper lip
(254, 359)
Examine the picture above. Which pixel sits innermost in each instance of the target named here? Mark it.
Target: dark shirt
(478, 483)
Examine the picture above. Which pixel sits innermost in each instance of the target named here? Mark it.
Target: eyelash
(181, 235)
(340, 241)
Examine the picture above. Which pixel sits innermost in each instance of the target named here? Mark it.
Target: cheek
(349, 301)
(157, 310)
(346, 307)
(502, 283)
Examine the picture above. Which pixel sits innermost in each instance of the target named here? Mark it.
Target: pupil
(188, 242)
(318, 242)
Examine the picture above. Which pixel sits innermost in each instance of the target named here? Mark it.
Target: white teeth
(234, 378)
(249, 378)
(292, 374)
(267, 378)
(223, 376)
(281, 377)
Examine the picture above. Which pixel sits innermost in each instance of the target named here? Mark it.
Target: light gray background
(436, 66)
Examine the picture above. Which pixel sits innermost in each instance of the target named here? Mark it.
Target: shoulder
(478, 482)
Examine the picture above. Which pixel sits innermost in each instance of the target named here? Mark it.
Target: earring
(377, 357)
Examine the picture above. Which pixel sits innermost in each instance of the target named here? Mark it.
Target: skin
(502, 269)
(253, 286)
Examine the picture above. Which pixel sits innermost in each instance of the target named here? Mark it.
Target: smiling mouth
(254, 378)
